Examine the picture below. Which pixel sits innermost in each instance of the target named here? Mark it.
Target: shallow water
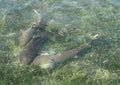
(85, 17)
(64, 13)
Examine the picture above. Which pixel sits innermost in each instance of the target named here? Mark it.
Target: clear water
(61, 12)
(84, 17)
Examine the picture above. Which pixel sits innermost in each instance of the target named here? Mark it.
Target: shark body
(31, 49)
(28, 34)
(47, 61)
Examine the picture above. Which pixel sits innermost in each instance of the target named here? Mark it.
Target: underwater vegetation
(97, 64)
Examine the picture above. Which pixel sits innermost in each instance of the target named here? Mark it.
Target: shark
(30, 50)
(49, 61)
